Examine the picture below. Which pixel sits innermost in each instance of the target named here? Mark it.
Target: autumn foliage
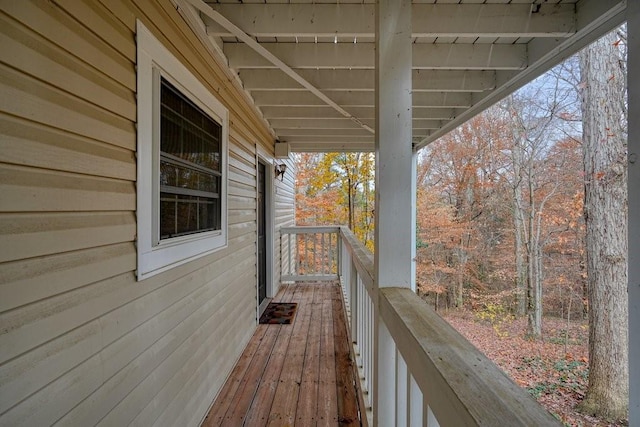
(467, 217)
(336, 189)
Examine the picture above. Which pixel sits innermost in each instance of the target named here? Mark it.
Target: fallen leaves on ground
(554, 373)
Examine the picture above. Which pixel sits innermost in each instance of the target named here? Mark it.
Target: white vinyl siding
(82, 342)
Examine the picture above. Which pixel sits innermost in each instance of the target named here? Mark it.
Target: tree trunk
(604, 145)
(521, 272)
(534, 283)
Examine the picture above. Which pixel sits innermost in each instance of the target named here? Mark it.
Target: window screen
(190, 166)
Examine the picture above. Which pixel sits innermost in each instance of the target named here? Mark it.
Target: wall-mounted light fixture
(280, 170)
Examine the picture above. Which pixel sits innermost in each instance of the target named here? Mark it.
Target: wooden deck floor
(294, 375)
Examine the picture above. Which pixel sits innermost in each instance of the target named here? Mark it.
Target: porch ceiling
(312, 72)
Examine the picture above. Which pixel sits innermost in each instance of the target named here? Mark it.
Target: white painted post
(414, 201)
(394, 151)
(633, 88)
(394, 189)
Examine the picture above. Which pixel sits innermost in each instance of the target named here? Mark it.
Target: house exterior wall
(284, 215)
(81, 341)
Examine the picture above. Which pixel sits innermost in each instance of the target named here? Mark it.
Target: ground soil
(554, 370)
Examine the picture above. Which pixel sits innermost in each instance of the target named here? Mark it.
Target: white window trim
(154, 256)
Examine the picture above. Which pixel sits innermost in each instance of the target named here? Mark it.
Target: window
(182, 152)
(189, 166)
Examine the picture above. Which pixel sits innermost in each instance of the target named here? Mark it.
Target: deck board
(283, 410)
(298, 374)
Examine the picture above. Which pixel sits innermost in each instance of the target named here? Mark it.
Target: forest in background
(521, 216)
(500, 192)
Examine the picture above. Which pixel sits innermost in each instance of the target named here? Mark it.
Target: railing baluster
(430, 417)
(290, 264)
(326, 268)
(402, 395)
(415, 403)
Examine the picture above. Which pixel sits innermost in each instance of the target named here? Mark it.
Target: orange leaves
(557, 379)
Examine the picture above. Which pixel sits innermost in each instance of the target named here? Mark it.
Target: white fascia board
(357, 99)
(423, 80)
(361, 56)
(428, 20)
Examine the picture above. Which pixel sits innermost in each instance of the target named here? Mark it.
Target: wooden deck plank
(346, 386)
(238, 376)
(308, 398)
(258, 413)
(246, 391)
(245, 396)
(327, 399)
(226, 395)
(283, 410)
(299, 374)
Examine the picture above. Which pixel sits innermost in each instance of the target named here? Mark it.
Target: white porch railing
(309, 253)
(437, 376)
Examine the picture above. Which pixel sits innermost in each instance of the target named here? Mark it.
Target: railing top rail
(310, 229)
(361, 256)
(472, 390)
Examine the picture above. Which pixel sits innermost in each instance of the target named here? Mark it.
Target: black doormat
(279, 313)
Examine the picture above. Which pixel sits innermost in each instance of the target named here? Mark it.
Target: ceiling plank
(314, 123)
(428, 20)
(423, 80)
(361, 55)
(329, 146)
(364, 113)
(341, 133)
(357, 99)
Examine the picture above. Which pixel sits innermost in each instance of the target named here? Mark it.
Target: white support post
(394, 189)
(414, 203)
(394, 151)
(633, 87)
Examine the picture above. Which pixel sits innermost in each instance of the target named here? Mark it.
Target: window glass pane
(168, 174)
(180, 215)
(190, 154)
(187, 132)
(187, 212)
(207, 211)
(167, 215)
